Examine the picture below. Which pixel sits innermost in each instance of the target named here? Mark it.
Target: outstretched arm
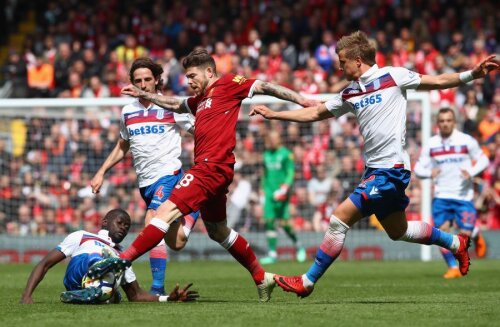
(53, 257)
(445, 81)
(171, 103)
(309, 114)
(114, 157)
(282, 92)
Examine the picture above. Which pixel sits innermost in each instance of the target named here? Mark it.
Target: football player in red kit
(216, 105)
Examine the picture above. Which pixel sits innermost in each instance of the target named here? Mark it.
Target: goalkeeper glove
(281, 194)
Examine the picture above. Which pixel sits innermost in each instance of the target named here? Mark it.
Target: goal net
(50, 149)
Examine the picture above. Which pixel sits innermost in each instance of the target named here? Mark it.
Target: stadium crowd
(84, 49)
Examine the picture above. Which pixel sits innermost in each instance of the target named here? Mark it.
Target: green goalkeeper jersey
(279, 169)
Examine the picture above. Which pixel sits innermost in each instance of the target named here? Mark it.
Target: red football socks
(145, 241)
(242, 252)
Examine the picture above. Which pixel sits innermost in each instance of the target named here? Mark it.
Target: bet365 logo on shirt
(368, 100)
(149, 129)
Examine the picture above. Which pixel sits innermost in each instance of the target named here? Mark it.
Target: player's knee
(176, 244)
(395, 235)
(176, 247)
(220, 234)
(217, 231)
(217, 236)
(337, 225)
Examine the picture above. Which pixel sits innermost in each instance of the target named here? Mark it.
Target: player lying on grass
(377, 96)
(85, 249)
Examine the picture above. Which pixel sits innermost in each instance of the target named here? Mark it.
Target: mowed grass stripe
(406, 293)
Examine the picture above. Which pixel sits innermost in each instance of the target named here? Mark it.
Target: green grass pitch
(350, 294)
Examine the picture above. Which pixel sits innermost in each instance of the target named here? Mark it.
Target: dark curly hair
(148, 63)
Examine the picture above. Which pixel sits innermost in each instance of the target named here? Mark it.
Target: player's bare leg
(399, 229)
(175, 238)
(346, 215)
(239, 248)
(179, 231)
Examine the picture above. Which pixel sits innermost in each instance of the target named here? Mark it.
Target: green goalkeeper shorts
(276, 209)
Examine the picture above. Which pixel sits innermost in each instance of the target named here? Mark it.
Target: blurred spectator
(130, 50)
(5, 158)
(15, 71)
(288, 52)
(325, 53)
(96, 89)
(62, 65)
(470, 111)
(274, 58)
(301, 210)
(492, 196)
(222, 58)
(479, 52)
(348, 175)
(246, 60)
(425, 58)
(239, 197)
(489, 125)
(41, 78)
(49, 49)
(254, 43)
(319, 186)
(172, 71)
(75, 86)
(93, 66)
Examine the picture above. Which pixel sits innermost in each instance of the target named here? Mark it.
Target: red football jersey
(216, 114)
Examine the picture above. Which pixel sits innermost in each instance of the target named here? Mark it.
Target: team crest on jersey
(239, 79)
(160, 114)
(205, 104)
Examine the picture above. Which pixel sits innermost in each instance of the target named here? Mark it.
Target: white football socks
(160, 224)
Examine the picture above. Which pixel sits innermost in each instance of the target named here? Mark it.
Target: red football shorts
(204, 187)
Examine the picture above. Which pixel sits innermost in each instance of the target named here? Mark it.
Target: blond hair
(356, 45)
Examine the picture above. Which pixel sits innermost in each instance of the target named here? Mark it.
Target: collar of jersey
(104, 234)
(368, 74)
(139, 104)
(451, 137)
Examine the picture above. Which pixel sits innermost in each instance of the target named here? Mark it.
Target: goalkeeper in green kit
(277, 181)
